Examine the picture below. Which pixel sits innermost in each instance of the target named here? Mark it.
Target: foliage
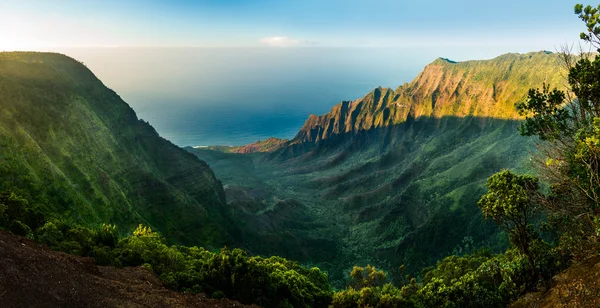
(512, 203)
(18, 215)
(367, 288)
(398, 187)
(386, 296)
(473, 279)
(572, 127)
(477, 280)
(269, 282)
(367, 276)
(73, 147)
(453, 267)
(550, 119)
(568, 123)
(277, 282)
(590, 16)
(485, 280)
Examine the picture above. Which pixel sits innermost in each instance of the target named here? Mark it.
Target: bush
(107, 235)
(19, 228)
(17, 213)
(50, 235)
(386, 296)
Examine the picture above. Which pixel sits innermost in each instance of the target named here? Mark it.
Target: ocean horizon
(236, 96)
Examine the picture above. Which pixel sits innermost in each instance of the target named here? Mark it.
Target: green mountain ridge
(73, 146)
(480, 88)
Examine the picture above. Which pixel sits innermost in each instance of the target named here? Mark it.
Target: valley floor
(32, 275)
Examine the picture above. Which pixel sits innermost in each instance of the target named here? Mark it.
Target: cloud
(281, 41)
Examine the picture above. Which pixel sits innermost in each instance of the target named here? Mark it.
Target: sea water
(233, 96)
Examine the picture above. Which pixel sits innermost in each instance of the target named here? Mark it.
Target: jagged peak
(377, 91)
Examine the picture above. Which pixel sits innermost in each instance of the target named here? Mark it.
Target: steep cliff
(483, 88)
(72, 145)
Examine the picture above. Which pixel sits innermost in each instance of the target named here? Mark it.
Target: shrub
(19, 228)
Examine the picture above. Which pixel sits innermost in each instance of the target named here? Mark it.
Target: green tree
(512, 202)
(591, 17)
(367, 276)
(107, 235)
(568, 125)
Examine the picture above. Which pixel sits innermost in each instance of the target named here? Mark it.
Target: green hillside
(481, 88)
(73, 146)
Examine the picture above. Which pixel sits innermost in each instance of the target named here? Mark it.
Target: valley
(392, 178)
(129, 175)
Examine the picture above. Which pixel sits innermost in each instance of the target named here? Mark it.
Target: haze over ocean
(236, 96)
(266, 65)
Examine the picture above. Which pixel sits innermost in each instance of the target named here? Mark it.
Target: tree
(512, 202)
(107, 235)
(590, 15)
(144, 231)
(17, 215)
(568, 125)
(367, 276)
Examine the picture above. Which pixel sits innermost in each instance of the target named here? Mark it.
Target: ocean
(235, 96)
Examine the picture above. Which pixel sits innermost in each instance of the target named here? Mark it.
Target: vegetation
(468, 281)
(269, 282)
(387, 197)
(568, 122)
(72, 146)
(551, 220)
(568, 129)
(511, 203)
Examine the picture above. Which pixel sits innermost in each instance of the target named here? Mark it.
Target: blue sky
(232, 72)
(39, 24)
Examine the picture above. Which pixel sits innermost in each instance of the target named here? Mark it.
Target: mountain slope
(73, 146)
(483, 88)
(396, 175)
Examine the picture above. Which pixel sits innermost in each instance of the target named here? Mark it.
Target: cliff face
(73, 146)
(486, 89)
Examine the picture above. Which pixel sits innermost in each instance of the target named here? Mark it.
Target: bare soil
(32, 275)
(577, 287)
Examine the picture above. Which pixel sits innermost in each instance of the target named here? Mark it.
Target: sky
(47, 24)
(211, 72)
